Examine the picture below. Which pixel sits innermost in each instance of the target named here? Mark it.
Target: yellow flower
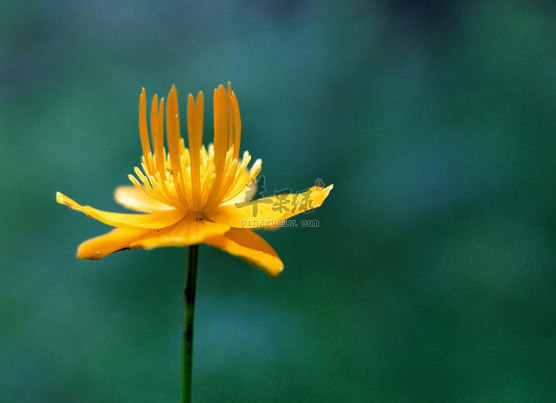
(194, 195)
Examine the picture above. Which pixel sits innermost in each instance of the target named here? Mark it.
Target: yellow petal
(136, 199)
(152, 221)
(114, 241)
(190, 230)
(257, 213)
(251, 247)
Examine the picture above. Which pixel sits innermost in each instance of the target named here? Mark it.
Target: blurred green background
(431, 277)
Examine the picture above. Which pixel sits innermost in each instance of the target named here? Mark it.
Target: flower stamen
(143, 128)
(195, 130)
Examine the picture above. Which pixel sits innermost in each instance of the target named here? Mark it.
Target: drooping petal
(147, 221)
(190, 230)
(247, 245)
(136, 199)
(261, 212)
(114, 241)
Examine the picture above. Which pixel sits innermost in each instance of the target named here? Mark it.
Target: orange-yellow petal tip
(320, 195)
(85, 254)
(89, 250)
(270, 265)
(63, 199)
(275, 272)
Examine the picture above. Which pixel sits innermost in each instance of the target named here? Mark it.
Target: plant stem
(188, 316)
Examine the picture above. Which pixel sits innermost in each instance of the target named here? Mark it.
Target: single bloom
(195, 195)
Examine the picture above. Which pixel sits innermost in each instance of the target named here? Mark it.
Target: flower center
(193, 179)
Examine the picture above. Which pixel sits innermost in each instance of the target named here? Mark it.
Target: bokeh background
(432, 274)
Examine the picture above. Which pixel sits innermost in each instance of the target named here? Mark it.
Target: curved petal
(151, 221)
(247, 245)
(188, 231)
(114, 241)
(262, 212)
(136, 199)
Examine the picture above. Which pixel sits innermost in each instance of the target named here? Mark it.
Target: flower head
(193, 195)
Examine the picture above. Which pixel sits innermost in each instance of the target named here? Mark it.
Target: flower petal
(114, 241)
(269, 209)
(136, 199)
(190, 230)
(251, 247)
(151, 221)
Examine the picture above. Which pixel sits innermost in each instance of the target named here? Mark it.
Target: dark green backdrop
(431, 277)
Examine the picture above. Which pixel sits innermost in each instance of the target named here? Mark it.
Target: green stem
(188, 316)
